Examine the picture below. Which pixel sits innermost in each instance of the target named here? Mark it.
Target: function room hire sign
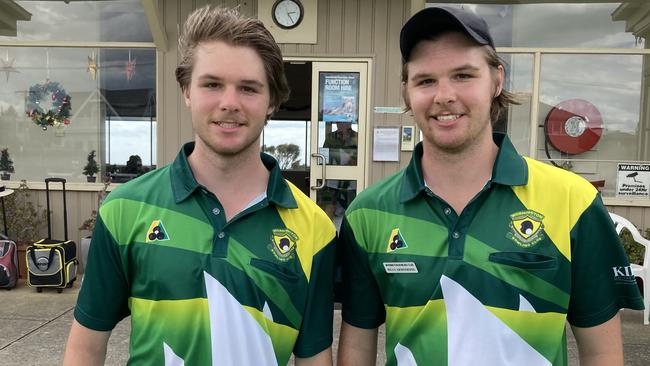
(633, 181)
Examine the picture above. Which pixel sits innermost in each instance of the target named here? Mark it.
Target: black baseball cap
(432, 21)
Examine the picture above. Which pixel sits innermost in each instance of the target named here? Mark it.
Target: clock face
(287, 14)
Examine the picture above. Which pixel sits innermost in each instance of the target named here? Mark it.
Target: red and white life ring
(574, 126)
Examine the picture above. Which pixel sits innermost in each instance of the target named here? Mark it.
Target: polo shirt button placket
(455, 235)
(447, 211)
(216, 211)
(221, 235)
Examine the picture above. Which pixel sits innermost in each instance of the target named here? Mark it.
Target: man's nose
(445, 93)
(230, 99)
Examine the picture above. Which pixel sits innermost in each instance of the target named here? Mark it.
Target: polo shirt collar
(184, 183)
(509, 168)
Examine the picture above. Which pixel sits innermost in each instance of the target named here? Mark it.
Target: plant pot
(92, 179)
(5, 176)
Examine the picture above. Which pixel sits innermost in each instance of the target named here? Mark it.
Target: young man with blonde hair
(217, 259)
(475, 255)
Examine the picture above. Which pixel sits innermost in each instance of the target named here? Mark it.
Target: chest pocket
(527, 261)
(275, 270)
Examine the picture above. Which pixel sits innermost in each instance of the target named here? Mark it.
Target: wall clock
(287, 14)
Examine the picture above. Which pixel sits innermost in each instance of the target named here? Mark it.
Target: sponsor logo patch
(283, 244)
(156, 232)
(526, 228)
(395, 241)
(623, 274)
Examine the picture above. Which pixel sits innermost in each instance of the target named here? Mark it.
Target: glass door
(338, 130)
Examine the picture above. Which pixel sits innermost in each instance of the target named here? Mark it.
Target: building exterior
(104, 70)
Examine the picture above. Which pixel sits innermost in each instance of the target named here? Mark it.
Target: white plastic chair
(637, 270)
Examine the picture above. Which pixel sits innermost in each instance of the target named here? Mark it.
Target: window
(96, 99)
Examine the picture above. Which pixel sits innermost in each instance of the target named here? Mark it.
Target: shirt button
(447, 211)
(216, 211)
(455, 235)
(221, 235)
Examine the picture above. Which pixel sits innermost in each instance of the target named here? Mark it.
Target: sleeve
(363, 306)
(316, 329)
(102, 300)
(602, 281)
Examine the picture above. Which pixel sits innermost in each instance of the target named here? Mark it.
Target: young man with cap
(217, 259)
(475, 255)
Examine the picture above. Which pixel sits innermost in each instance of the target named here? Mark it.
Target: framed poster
(408, 138)
(338, 97)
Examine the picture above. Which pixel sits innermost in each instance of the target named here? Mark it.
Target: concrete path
(34, 328)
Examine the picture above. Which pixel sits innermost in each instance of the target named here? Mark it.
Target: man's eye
(463, 76)
(248, 89)
(212, 85)
(425, 82)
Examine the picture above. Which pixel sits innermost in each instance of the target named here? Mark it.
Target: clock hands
(289, 15)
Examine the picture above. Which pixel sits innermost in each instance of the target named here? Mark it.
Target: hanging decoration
(129, 68)
(37, 105)
(92, 66)
(8, 66)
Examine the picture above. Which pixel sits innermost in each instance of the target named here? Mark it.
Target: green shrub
(633, 249)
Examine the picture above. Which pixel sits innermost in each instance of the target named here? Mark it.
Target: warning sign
(633, 181)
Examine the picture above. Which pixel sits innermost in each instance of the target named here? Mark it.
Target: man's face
(343, 126)
(228, 97)
(450, 88)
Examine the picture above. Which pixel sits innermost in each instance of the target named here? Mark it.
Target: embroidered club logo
(526, 228)
(156, 232)
(283, 244)
(395, 241)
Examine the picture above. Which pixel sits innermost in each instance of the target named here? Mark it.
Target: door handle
(322, 158)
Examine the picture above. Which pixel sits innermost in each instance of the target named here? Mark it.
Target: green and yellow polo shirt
(493, 285)
(203, 291)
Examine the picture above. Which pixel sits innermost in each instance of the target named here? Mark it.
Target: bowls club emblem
(283, 244)
(526, 228)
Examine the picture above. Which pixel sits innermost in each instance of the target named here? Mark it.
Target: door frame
(360, 172)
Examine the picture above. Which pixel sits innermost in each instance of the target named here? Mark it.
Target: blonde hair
(210, 23)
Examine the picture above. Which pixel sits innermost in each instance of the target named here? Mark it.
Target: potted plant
(6, 164)
(91, 168)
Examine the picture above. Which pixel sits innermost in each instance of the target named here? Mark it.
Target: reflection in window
(519, 80)
(102, 84)
(131, 148)
(91, 21)
(554, 25)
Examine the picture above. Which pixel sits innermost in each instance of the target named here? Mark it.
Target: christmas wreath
(36, 108)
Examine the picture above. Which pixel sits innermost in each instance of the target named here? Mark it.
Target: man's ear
(405, 97)
(500, 79)
(186, 96)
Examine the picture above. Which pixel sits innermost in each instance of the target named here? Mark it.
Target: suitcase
(8, 263)
(52, 262)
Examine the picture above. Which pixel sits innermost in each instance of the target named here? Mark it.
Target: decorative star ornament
(8, 67)
(129, 69)
(92, 66)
